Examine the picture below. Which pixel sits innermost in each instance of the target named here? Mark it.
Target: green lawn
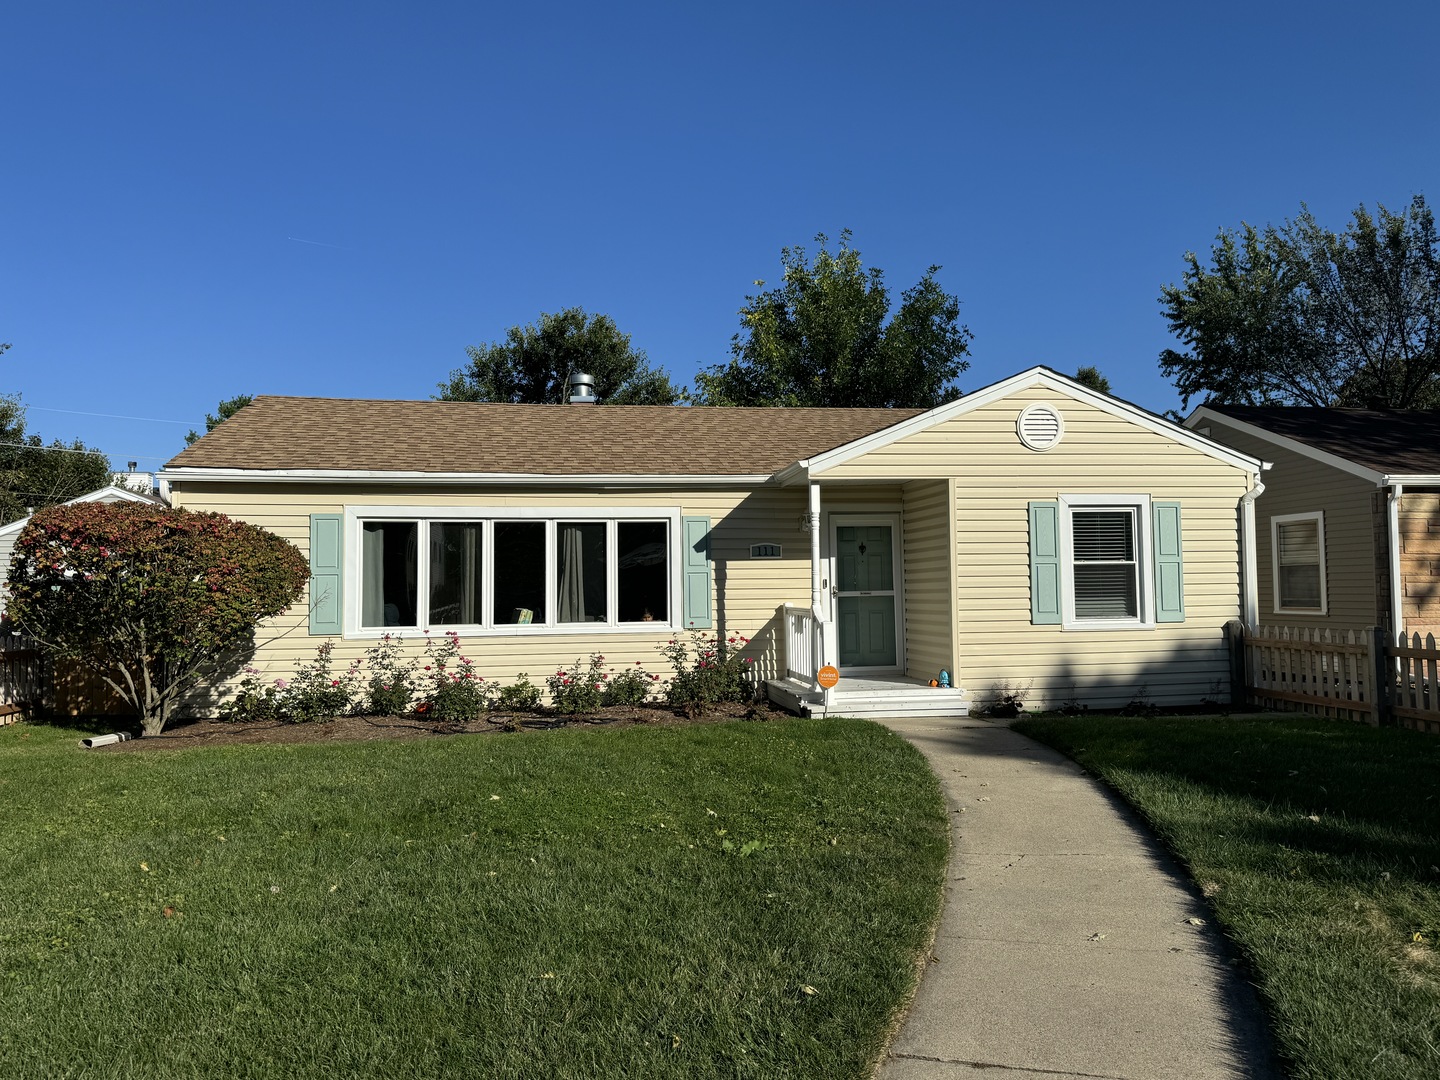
(1318, 843)
(743, 899)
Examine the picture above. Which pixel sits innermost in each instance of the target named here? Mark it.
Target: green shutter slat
(327, 552)
(1045, 563)
(1169, 563)
(695, 563)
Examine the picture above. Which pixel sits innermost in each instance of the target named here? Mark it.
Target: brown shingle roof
(1396, 442)
(565, 440)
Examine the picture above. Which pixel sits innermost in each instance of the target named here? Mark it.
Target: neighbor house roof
(1389, 442)
(353, 435)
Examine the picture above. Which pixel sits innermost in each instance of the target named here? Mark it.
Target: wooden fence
(1366, 675)
(23, 678)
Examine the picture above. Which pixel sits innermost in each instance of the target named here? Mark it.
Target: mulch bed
(186, 733)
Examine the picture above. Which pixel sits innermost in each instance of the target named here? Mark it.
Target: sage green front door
(865, 595)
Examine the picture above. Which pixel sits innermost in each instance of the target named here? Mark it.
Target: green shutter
(1045, 562)
(327, 551)
(1169, 563)
(695, 534)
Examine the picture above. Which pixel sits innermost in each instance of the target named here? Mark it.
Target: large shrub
(152, 598)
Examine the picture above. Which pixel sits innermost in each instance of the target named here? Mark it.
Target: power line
(110, 416)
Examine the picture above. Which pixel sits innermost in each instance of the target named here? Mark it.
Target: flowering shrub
(629, 686)
(315, 693)
(455, 694)
(392, 676)
(708, 670)
(520, 696)
(579, 690)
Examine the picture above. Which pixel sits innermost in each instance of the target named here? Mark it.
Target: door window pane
(455, 573)
(519, 572)
(388, 561)
(581, 571)
(643, 571)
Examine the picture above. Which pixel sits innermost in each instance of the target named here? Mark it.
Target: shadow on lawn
(1347, 801)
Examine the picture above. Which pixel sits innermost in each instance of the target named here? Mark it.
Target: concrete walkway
(1066, 947)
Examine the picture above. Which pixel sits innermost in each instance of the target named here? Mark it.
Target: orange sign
(827, 676)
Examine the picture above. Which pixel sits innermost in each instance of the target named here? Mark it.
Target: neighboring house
(1034, 534)
(1349, 522)
(8, 533)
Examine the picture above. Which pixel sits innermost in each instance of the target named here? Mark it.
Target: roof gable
(1043, 377)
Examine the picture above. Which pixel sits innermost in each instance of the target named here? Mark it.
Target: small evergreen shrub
(520, 696)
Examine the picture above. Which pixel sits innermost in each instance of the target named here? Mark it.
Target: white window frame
(487, 516)
(1317, 516)
(1145, 599)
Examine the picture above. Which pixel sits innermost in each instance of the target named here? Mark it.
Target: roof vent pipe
(582, 389)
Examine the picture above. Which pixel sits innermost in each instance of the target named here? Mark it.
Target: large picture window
(1105, 561)
(419, 569)
(1297, 544)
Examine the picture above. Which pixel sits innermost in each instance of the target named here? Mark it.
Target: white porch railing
(802, 642)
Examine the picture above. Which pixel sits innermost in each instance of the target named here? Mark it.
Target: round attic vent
(1040, 426)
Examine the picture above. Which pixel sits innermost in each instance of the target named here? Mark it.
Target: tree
(1298, 315)
(1090, 376)
(152, 598)
(534, 364)
(821, 338)
(226, 409)
(34, 474)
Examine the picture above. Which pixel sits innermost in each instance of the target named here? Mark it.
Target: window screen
(1297, 550)
(1106, 573)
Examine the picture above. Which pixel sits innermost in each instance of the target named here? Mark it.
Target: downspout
(817, 611)
(1250, 586)
(1397, 592)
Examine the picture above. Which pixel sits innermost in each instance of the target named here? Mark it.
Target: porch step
(901, 698)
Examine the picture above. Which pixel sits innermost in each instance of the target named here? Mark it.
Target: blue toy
(944, 678)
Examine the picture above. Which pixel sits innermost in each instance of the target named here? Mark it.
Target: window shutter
(1169, 563)
(695, 565)
(1045, 563)
(327, 549)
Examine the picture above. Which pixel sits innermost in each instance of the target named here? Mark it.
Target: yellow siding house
(1033, 538)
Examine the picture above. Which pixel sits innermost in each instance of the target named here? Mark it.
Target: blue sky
(199, 200)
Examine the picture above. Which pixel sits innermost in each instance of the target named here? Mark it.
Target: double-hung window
(419, 568)
(1105, 561)
(1297, 545)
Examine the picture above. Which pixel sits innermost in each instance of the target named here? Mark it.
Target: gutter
(1397, 592)
(1250, 585)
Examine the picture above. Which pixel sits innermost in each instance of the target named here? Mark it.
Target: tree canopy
(534, 364)
(226, 409)
(150, 597)
(36, 474)
(1300, 315)
(821, 338)
(1090, 376)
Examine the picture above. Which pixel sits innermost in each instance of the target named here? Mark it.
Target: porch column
(817, 599)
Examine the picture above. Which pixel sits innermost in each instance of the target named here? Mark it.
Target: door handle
(835, 591)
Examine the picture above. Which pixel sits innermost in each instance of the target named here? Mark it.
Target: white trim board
(374, 476)
(1204, 413)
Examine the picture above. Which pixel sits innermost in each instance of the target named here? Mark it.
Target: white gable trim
(1204, 413)
(110, 493)
(1036, 376)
